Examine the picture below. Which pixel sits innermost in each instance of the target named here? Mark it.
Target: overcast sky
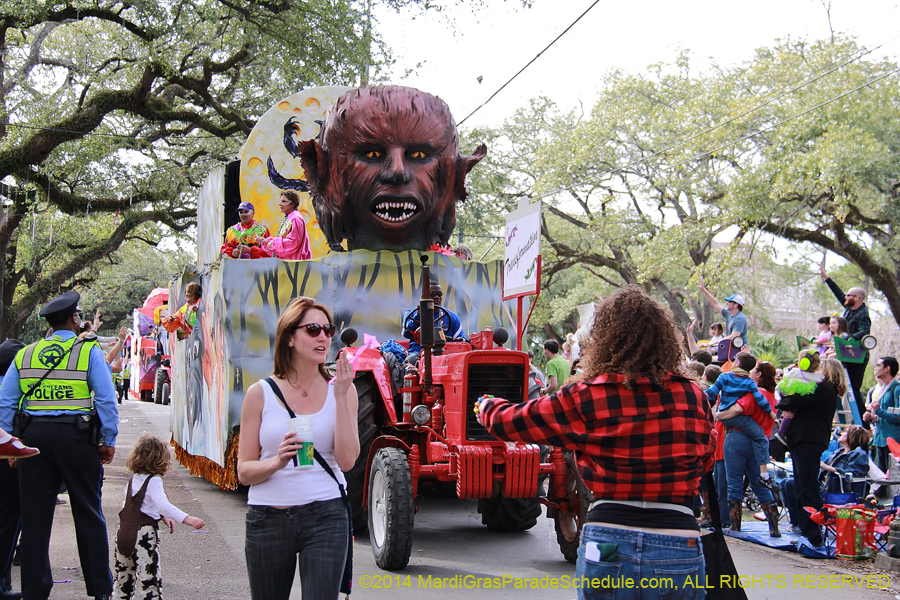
(497, 42)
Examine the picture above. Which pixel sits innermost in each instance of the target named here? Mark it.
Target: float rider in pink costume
(291, 242)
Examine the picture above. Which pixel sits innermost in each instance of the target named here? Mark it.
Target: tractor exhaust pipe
(426, 321)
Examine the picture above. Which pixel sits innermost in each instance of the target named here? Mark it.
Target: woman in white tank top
(298, 517)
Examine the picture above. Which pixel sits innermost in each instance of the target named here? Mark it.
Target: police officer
(62, 385)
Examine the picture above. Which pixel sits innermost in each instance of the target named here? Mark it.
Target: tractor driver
(447, 319)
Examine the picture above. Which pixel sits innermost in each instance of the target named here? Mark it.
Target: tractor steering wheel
(439, 320)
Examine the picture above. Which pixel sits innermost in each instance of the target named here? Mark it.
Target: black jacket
(813, 415)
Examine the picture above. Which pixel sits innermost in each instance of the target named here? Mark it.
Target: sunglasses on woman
(313, 329)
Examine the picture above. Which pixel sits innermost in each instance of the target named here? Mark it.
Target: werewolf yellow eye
(418, 155)
(373, 154)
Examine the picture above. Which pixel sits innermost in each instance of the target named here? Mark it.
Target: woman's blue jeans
(739, 461)
(658, 566)
(317, 534)
(759, 443)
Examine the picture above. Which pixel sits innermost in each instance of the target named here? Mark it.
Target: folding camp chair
(827, 517)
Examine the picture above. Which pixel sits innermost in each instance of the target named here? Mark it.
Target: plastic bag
(855, 527)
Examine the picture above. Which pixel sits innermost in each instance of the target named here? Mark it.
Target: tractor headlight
(421, 415)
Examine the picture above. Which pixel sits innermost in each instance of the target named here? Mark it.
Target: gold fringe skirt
(224, 477)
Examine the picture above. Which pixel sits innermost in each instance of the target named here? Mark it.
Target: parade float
(147, 349)
(368, 244)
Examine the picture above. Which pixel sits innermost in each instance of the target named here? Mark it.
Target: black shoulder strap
(322, 462)
(278, 393)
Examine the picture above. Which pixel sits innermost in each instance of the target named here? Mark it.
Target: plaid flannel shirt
(643, 441)
(859, 324)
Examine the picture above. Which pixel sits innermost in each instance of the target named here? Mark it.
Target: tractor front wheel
(391, 508)
(367, 389)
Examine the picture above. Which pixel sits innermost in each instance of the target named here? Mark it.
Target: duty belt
(62, 419)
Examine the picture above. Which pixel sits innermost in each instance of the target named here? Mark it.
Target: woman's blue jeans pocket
(679, 582)
(601, 580)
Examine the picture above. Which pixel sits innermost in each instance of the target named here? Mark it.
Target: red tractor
(426, 434)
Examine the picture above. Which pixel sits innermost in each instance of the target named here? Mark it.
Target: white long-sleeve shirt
(156, 502)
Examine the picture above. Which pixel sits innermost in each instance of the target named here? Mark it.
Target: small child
(730, 387)
(695, 371)
(710, 376)
(824, 335)
(800, 380)
(137, 541)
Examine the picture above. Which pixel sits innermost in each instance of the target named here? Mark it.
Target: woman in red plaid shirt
(640, 432)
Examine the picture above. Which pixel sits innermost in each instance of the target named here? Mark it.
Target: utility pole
(367, 60)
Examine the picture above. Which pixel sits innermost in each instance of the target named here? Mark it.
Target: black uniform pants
(9, 514)
(806, 457)
(856, 372)
(66, 456)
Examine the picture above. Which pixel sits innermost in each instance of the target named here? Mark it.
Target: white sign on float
(523, 247)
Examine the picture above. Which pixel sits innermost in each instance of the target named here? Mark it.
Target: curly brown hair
(288, 323)
(633, 335)
(150, 455)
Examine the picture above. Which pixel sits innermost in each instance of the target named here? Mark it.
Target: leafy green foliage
(112, 112)
(674, 174)
(775, 349)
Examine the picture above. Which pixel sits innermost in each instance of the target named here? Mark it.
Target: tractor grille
(502, 381)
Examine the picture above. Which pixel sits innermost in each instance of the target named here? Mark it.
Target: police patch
(51, 355)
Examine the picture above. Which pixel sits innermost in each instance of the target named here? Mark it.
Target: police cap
(8, 350)
(61, 307)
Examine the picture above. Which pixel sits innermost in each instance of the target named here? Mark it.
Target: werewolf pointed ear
(315, 166)
(464, 164)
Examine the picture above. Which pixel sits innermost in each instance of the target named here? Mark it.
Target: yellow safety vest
(66, 386)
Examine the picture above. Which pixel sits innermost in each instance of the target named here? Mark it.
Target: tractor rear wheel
(366, 389)
(568, 523)
(391, 509)
(509, 514)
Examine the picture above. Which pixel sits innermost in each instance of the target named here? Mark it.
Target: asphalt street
(453, 555)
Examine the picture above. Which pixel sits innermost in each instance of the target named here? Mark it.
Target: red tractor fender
(385, 441)
(370, 360)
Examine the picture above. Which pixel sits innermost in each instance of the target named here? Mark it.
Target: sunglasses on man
(313, 329)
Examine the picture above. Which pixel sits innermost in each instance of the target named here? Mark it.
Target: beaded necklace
(285, 226)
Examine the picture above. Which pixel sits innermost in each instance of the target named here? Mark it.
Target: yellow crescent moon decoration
(267, 139)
